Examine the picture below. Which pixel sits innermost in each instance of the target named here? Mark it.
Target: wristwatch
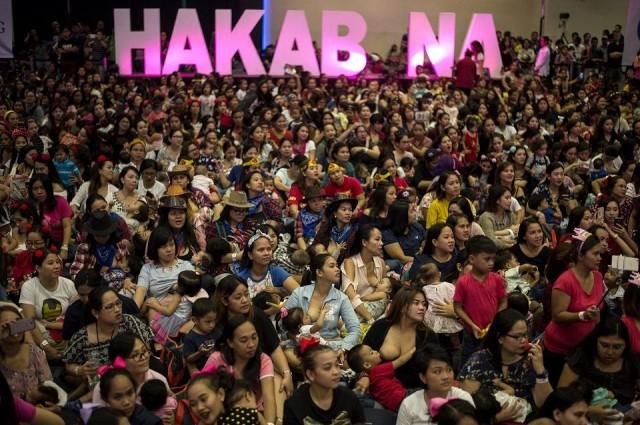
(44, 344)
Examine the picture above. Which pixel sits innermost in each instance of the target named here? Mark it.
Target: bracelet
(64, 247)
(287, 372)
(542, 380)
(581, 316)
(234, 257)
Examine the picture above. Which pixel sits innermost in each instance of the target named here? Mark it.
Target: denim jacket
(340, 308)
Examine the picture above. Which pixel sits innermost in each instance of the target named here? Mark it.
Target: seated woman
(322, 399)
(172, 214)
(531, 247)
(400, 331)
(263, 207)
(321, 294)
(579, 217)
(379, 204)
(45, 298)
(461, 205)
(447, 188)
(498, 222)
(509, 363)
(363, 275)
(402, 235)
(118, 389)
(22, 363)
(435, 370)
(256, 268)
(338, 232)
(89, 347)
(440, 249)
(563, 406)
(232, 225)
(128, 351)
(239, 354)
(605, 359)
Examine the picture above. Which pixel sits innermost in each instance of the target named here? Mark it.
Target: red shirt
(471, 144)
(634, 333)
(385, 388)
(295, 195)
(466, 73)
(400, 183)
(480, 300)
(561, 338)
(351, 188)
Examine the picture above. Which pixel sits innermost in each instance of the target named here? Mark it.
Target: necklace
(98, 334)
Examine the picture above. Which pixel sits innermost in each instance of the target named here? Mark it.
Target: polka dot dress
(241, 416)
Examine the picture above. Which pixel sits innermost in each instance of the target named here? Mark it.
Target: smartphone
(22, 325)
(600, 214)
(619, 221)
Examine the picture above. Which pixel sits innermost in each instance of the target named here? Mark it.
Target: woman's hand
(504, 387)
(362, 385)
(509, 413)
(152, 303)
(621, 231)
(52, 353)
(444, 308)
(535, 357)
(592, 314)
(64, 253)
(602, 414)
(129, 285)
(87, 369)
(169, 418)
(287, 384)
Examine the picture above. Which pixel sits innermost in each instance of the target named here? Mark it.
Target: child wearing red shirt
(471, 140)
(479, 295)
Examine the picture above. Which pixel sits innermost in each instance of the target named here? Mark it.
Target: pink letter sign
(482, 29)
(187, 29)
(332, 42)
(231, 40)
(440, 51)
(295, 30)
(127, 40)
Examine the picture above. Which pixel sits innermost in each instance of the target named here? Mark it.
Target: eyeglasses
(519, 338)
(112, 306)
(139, 355)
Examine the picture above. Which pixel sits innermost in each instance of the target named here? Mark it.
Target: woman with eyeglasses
(89, 347)
(136, 354)
(509, 362)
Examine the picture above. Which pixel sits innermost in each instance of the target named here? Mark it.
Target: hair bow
(34, 156)
(44, 157)
(307, 342)
(259, 234)
(405, 194)
(486, 158)
(253, 162)
(513, 149)
(284, 312)
(19, 132)
(24, 207)
(53, 249)
(27, 227)
(101, 159)
(333, 167)
(187, 162)
(382, 177)
(38, 253)
(118, 363)
(634, 279)
(207, 369)
(580, 235)
(44, 229)
(436, 403)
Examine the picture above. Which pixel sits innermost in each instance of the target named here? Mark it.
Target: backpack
(172, 358)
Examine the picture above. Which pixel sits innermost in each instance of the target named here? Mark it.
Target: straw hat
(180, 169)
(236, 199)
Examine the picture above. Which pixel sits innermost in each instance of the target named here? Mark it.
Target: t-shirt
(384, 387)
(415, 411)
(49, 305)
(480, 300)
(53, 219)
(345, 408)
(193, 340)
(410, 242)
(275, 276)
(158, 280)
(295, 195)
(350, 188)
(561, 338)
(634, 333)
(283, 174)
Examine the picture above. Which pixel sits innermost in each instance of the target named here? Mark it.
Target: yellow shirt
(438, 212)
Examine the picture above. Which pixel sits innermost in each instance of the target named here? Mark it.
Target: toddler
(384, 387)
(309, 218)
(202, 181)
(65, 167)
(241, 406)
(202, 338)
(169, 314)
(539, 161)
(155, 398)
(296, 324)
(518, 277)
(538, 202)
(437, 292)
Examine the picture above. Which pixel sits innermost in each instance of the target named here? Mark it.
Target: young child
(296, 324)
(518, 277)
(202, 181)
(384, 387)
(388, 171)
(201, 339)
(538, 202)
(155, 398)
(169, 314)
(438, 292)
(539, 161)
(23, 218)
(471, 139)
(309, 218)
(270, 191)
(65, 168)
(479, 295)
(241, 406)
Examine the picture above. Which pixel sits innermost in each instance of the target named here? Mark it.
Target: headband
(436, 403)
(253, 162)
(310, 163)
(334, 167)
(118, 363)
(580, 235)
(382, 177)
(306, 342)
(259, 234)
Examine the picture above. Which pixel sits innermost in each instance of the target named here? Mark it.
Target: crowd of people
(304, 250)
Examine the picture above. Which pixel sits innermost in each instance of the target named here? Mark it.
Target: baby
(518, 277)
(297, 323)
(202, 181)
(241, 406)
(438, 292)
(155, 398)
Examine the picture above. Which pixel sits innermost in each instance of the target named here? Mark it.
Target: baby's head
(267, 302)
(538, 202)
(428, 274)
(44, 395)
(300, 258)
(201, 261)
(201, 170)
(505, 260)
(519, 302)
(153, 394)
(241, 396)
(362, 358)
(293, 320)
(269, 185)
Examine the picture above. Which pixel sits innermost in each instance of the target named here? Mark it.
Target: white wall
(586, 16)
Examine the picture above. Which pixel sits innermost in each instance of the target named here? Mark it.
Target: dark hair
(502, 324)
(122, 345)
(241, 387)
(247, 262)
(535, 200)
(95, 302)
(217, 248)
(252, 369)
(158, 238)
(91, 199)
(399, 302)
(38, 260)
(431, 352)
(363, 234)
(100, 416)
(486, 405)
(495, 193)
(190, 239)
(433, 233)
(453, 411)
(219, 379)
(524, 226)
(247, 179)
(563, 398)
(148, 163)
(378, 198)
(225, 288)
(398, 217)
(465, 206)
(124, 172)
(292, 321)
(189, 283)
(153, 394)
(480, 244)
(202, 307)
(50, 202)
(309, 357)
(6, 402)
(317, 263)
(354, 358)
(442, 181)
(611, 326)
(592, 240)
(88, 277)
(503, 256)
(94, 182)
(518, 302)
(106, 381)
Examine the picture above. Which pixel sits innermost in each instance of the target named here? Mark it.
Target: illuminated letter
(295, 30)
(187, 29)
(127, 40)
(482, 29)
(440, 51)
(231, 40)
(333, 43)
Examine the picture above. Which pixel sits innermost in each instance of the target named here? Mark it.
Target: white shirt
(49, 305)
(415, 411)
(157, 189)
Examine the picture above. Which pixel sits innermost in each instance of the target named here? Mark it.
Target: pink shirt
(561, 338)
(480, 300)
(217, 360)
(634, 333)
(53, 219)
(24, 411)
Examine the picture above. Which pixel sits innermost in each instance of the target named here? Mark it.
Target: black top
(449, 270)
(345, 408)
(74, 318)
(407, 374)
(142, 416)
(539, 260)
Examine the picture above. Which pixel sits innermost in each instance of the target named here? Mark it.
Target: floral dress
(23, 381)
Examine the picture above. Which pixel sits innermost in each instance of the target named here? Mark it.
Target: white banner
(6, 30)
(632, 33)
